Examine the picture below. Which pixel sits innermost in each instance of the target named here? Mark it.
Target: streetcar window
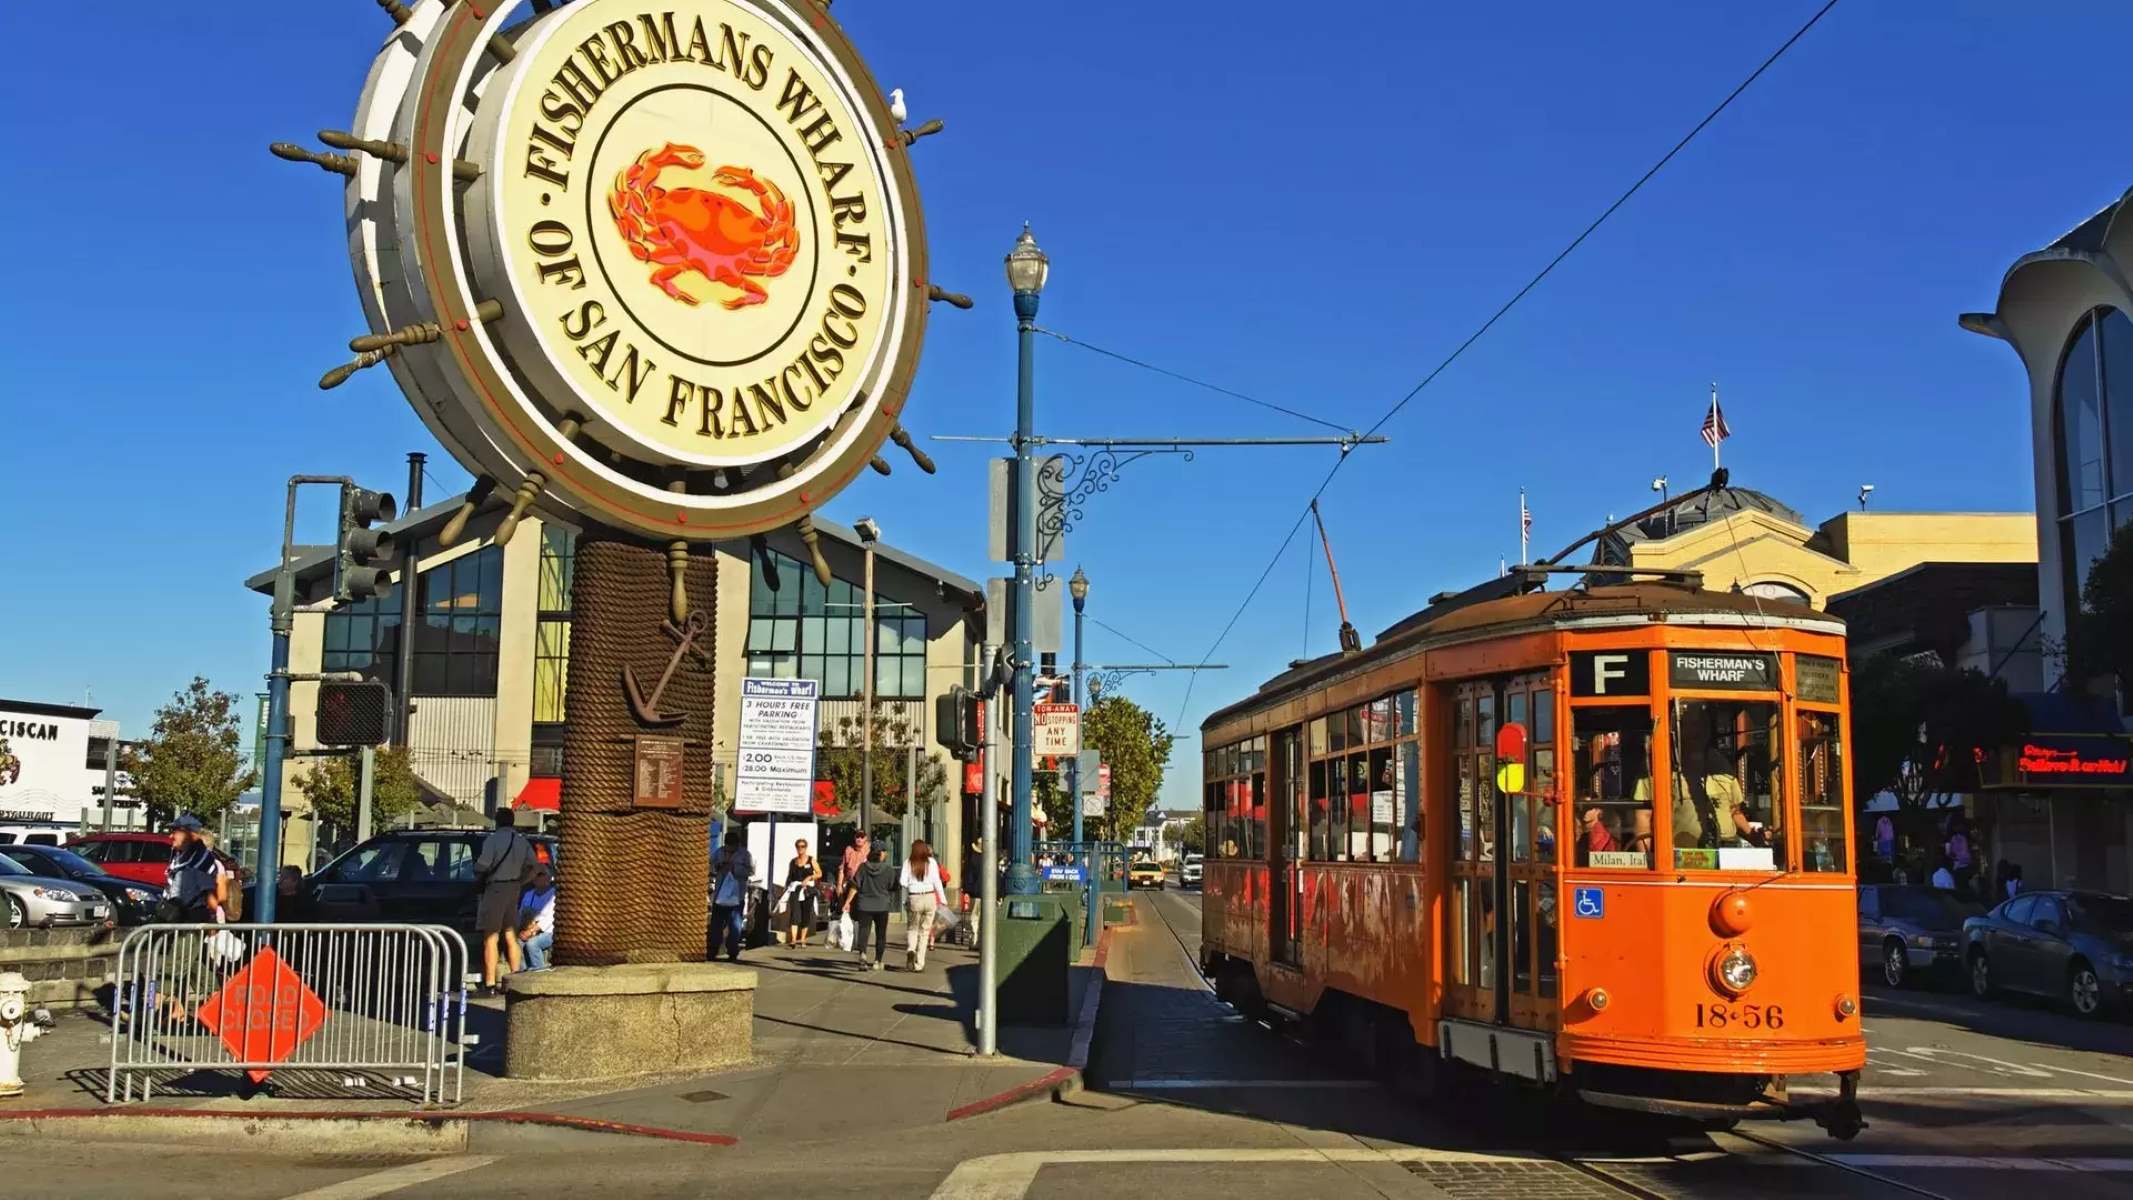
(1337, 805)
(1407, 784)
(1541, 775)
(1610, 758)
(1725, 811)
(1822, 825)
(1521, 808)
(1521, 937)
(1544, 918)
(1377, 721)
(1352, 725)
(1359, 808)
(1320, 814)
(1317, 734)
(1255, 817)
(1382, 805)
(1404, 705)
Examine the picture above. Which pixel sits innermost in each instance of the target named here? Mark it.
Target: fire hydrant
(18, 1025)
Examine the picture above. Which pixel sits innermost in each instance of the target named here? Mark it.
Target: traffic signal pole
(281, 621)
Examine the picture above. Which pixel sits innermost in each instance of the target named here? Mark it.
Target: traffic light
(956, 724)
(355, 714)
(359, 573)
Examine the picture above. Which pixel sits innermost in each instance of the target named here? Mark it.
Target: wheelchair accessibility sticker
(1589, 903)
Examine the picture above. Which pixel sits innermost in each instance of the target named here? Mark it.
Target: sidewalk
(834, 1045)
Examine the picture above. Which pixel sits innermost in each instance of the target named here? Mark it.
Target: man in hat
(197, 889)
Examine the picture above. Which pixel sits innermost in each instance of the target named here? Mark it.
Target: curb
(422, 1133)
(1063, 1081)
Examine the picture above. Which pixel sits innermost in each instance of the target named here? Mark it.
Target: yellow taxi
(1145, 873)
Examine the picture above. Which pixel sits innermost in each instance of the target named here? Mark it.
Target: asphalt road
(1189, 1101)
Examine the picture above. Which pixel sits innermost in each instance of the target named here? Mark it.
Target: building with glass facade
(2067, 311)
(491, 644)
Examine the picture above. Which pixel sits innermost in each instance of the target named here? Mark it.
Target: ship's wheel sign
(654, 267)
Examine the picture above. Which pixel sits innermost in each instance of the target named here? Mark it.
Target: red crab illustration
(687, 229)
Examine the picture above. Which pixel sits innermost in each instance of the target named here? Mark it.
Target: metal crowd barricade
(370, 1006)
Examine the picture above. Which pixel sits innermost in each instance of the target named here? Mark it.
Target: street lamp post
(1078, 588)
(869, 533)
(1026, 271)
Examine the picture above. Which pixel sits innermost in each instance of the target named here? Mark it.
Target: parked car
(414, 876)
(36, 901)
(131, 903)
(23, 836)
(2072, 946)
(1189, 871)
(1145, 873)
(1909, 931)
(141, 857)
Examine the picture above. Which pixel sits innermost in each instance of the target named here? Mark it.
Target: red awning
(542, 795)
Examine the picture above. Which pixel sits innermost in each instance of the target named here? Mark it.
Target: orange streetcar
(1594, 839)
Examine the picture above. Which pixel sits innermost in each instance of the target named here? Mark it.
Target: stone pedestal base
(633, 1019)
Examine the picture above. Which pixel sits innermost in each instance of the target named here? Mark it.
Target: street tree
(1921, 728)
(2100, 636)
(841, 761)
(194, 760)
(1192, 836)
(331, 785)
(1136, 745)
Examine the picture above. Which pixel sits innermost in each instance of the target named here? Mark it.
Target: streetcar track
(1192, 961)
(1845, 1167)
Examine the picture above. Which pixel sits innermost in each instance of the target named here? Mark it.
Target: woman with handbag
(873, 894)
(924, 895)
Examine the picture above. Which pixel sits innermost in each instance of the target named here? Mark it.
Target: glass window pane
(784, 635)
(1610, 751)
(491, 594)
(843, 636)
(1337, 801)
(1407, 782)
(1352, 722)
(1321, 813)
(1316, 733)
(758, 634)
(1724, 812)
(1384, 805)
(1822, 827)
(811, 667)
(1404, 705)
(1544, 919)
(1337, 732)
(812, 636)
(2080, 427)
(2118, 388)
(2091, 536)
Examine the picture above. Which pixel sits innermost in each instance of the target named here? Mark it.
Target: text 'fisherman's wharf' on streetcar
(1593, 839)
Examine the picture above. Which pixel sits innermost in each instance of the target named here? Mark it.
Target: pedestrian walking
(196, 890)
(870, 898)
(536, 917)
(923, 897)
(2011, 881)
(803, 875)
(855, 857)
(732, 869)
(500, 867)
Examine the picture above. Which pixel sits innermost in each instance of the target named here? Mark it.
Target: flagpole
(1715, 439)
(1523, 556)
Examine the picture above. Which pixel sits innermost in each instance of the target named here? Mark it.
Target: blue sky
(1269, 197)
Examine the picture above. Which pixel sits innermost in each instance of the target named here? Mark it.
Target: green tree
(841, 761)
(1192, 837)
(2100, 636)
(330, 786)
(1137, 746)
(1920, 728)
(194, 761)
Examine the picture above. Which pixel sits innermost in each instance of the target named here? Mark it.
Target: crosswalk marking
(379, 1183)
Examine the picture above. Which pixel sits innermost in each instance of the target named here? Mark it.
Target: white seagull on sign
(896, 105)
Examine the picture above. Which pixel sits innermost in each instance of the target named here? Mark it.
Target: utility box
(1035, 939)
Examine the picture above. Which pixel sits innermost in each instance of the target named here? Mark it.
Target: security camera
(869, 532)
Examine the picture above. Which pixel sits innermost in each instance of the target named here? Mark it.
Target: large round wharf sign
(662, 259)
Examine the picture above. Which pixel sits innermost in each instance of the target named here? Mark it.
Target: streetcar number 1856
(1741, 1016)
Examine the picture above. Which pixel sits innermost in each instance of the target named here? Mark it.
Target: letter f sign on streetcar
(1610, 673)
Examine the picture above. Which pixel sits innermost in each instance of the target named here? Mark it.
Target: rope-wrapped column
(633, 879)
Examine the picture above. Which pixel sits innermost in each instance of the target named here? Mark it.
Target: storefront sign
(654, 250)
(777, 746)
(1714, 670)
(1816, 680)
(2069, 760)
(33, 731)
(1610, 673)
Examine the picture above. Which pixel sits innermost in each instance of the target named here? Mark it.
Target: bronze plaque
(1816, 679)
(659, 762)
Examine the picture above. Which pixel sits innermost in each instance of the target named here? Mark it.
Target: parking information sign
(1056, 730)
(777, 751)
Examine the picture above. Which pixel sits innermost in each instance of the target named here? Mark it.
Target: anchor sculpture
(646, 708)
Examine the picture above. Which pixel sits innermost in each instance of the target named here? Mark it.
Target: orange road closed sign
(264, 1012)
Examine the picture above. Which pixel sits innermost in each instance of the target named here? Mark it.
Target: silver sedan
(40, 902)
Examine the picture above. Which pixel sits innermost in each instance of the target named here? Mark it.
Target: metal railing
(372, 1006)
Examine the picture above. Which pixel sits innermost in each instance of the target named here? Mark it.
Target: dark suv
(408, 876)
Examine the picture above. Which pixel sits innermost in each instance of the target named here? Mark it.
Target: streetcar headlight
(1734, 972)
(1847, 1007)
(1598, 999)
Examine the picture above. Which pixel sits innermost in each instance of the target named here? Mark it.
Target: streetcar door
(1284, 848)
(1500, 955)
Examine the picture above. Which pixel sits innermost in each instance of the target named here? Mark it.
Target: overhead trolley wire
(1193, 676)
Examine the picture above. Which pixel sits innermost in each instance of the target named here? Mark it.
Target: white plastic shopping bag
(841, 933)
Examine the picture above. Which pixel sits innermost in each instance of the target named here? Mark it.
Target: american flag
(1714, 423)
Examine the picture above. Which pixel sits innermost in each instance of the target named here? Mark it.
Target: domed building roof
(1690, 513)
